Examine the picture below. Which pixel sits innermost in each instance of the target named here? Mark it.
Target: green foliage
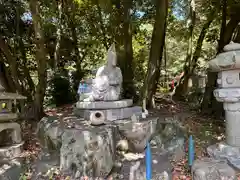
(88, 27)
(60, 90)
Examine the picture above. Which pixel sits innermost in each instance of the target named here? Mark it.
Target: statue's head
(112, 56)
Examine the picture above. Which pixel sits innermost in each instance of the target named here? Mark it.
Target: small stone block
(211, 169)
(104, 104)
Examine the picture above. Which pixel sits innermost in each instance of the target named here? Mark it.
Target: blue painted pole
(190, 151)
(148, 159)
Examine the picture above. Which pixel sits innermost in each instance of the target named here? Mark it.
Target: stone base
(222, 151)
(11, 168)
(105, 104)
(11, 151)
(211, 169)
(111, 114)
(6, 117)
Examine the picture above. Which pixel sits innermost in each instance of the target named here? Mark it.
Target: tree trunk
(223, 26)
(227, 36)
(155, 56)
(26, 72)
(201, 37)
(12, 66)
(182, 89)
(6, 82)
(59, 33)
(40, 58)
(127, 68)
(104, 38)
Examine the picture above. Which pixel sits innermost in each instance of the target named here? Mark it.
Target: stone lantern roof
(228, 60)
(11, 96)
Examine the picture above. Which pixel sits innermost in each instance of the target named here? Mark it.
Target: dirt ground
(205, 131)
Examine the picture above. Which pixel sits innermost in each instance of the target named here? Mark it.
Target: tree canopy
(42, 41)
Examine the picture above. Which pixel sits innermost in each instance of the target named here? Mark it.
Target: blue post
(190, 151)
(148, 159)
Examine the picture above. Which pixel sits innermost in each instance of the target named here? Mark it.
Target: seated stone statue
(108, 82)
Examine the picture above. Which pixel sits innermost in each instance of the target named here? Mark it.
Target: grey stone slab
(223, 151)
(211, 169)
(112, 114)
(105, 104)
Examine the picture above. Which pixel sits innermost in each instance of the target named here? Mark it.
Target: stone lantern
(224, 155)
(227, 64)
(10, 138)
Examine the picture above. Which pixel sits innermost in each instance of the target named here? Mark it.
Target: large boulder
(83, 149)
(49, 133)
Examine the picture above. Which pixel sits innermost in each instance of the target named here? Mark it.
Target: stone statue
(108, 82)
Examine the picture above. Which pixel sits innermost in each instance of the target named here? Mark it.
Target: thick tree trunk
(227, 36)
(201, 37)
(155, 57)
(40, 58)
(26, 70)
(223, 25)
(5, 79)
(103, 31)
(13, 67)
(127, 68)
(59, 33)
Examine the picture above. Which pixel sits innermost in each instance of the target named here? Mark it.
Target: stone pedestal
(107, 110)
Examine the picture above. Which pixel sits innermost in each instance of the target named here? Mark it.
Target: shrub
(60, 90)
